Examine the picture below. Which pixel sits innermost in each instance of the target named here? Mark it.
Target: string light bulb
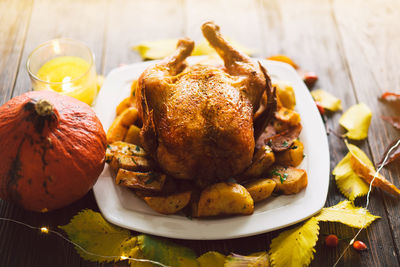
(44, 230)
(124, 258)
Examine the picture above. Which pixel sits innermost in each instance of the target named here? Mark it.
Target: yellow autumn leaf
(364, 168)
(345, 212)
(156, 49)
(89, 230)
(348, 182)
(166, 252)
(356, 121)
(295, 247)
(211, 259)
(327, 100)
(285, 59)
(161, 48)
(259, 259)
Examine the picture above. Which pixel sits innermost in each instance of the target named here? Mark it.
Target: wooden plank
(371, 41)
(85, 21)
(132, 22)
(307, 32)
(238, 20)
(14, 20)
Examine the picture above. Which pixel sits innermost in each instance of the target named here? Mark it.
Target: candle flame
(56, 47)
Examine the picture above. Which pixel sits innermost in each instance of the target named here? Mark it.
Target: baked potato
(133, 135)
(123, 148)
(224, 199)
(289, 180)
(293, 156)
(260, 189)
(262, 160)
(285, 94)
(121, 124)
(168, 204)
(151, 181)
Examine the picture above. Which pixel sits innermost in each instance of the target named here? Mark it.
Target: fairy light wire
(367, 201)
(46, 230)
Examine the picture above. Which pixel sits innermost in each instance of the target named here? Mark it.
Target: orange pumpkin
(52, 150)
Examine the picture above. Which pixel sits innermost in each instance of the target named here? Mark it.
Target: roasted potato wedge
(285, 94)
(262, 160)
(168, 204)
(130, 163)
(289, 180)
(123, 105)
(152, 181)
(133, 91)
(133, 135)
(260, 189)
(123, 148)
(287, 116)
(225, 199)
(293, 156)
(121, 124)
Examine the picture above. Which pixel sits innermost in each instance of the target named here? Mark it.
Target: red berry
(321, 109)
(331, 241)
(310, 78)
(359, 246)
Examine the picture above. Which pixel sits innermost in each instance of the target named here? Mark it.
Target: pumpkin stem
(44, 108)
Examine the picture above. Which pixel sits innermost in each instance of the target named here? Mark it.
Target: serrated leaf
(259, 259)
(364, 168)
(89, 230)
(327, 100)
(211, 259)
(166, 252)
(356, 121)
(295, 247)
(345, 212)
(348, 182)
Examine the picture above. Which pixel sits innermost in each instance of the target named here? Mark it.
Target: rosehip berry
(310, 78)
(331, 241)
(359, 246)
(321, 109)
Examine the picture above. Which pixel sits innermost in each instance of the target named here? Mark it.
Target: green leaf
(345, 212)
(259, 259)
(348, 182)
(166, 252)
(211, 259)
(89, 230)
(295, 247)
(356, 121)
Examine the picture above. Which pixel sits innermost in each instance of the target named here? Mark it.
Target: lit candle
(64, 66)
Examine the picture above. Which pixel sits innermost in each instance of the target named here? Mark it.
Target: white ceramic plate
(121, 207)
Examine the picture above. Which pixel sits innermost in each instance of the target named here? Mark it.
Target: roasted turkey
(198, 120)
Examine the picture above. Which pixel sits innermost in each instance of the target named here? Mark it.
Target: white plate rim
(106, 192)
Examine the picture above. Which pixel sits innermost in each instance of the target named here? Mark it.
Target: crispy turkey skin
(198, 120)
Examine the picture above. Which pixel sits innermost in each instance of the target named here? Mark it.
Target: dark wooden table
(354, 47)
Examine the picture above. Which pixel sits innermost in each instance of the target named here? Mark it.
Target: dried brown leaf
(394, 121)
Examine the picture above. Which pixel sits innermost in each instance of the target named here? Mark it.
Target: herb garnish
(137, 148)
(293, 147)
(285, 143)
(153, 177)
(281, 177)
